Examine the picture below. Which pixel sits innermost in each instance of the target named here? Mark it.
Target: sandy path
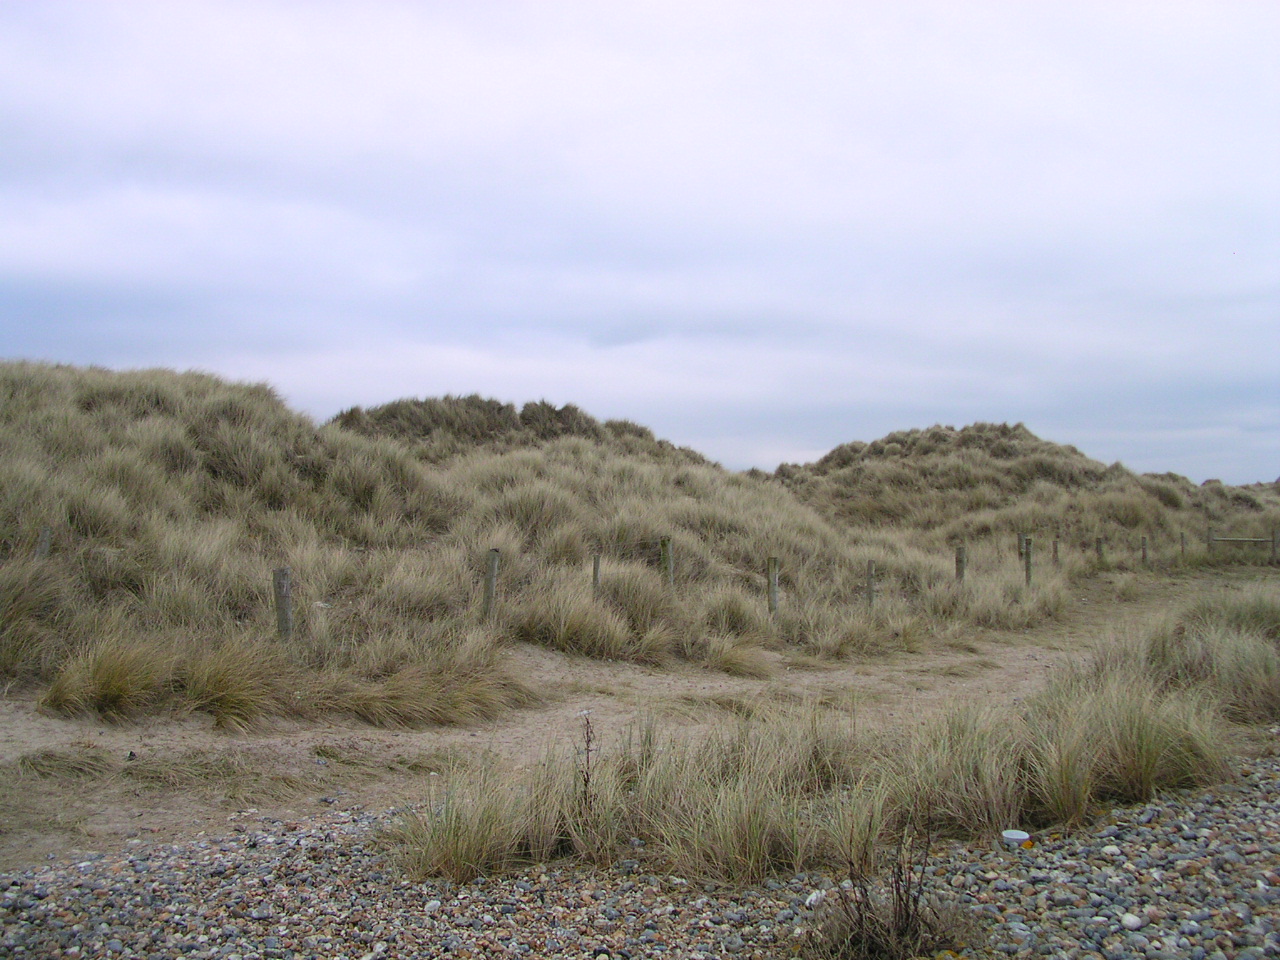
(39, 818)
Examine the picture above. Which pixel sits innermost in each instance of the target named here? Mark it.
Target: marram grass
(170, 498)
(798, 787)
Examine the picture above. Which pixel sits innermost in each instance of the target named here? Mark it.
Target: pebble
(1190, 875)
(1193, 874)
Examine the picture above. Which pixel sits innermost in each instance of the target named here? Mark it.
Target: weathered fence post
(44, 543)
(962, 561)
(490, 582)
(871, 583)
(595, 574)
(1208, 542)
(1055, 552)
(1183, 538)
(771, 568)
(1026, 558)
(1097, 545)
(1144, 551)
(283, 585)
(1273, 545)
(667, 560)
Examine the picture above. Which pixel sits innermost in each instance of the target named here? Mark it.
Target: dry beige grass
(172, 497)
(998, 480)
(790, 787)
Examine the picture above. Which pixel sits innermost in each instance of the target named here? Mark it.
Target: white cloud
(662, 210)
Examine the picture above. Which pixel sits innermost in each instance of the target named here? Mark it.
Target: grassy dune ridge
(172, 496)
(989, 479)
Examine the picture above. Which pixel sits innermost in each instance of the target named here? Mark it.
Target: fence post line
(282, 583)
(1026, 559)
(1144, 550)
(1183, 538)
(871, 583)
(1055, 552)
(771, 568)
(44, 542)
(595, 573)
(490, 582)
(668, 561)
(962, 560)
(1208, 542)
(1097, 545)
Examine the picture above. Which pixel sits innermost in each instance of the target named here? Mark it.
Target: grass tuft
(89, 763)
(116, 679)
(460, 682)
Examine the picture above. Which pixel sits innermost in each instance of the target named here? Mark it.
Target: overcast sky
(762, 229)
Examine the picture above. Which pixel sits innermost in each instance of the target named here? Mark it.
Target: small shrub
(894, 919)
(1238, 668)
(1062, 770)
(1127, 588)
(535, 509)
(726, 810)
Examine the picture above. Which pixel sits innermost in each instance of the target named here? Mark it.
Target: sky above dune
(762, 229)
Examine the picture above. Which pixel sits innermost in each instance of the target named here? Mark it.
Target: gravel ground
(1192, 876)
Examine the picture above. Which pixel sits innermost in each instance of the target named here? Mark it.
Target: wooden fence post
(283, 585)
(44, 543)
(595, 574)
(962, 561)
(1273, 545)
(490, 583)
(1022, 546)
(1026, 558)
(771, 567)
(1144, 551)
(1097, 545)
(871, 583)
(1183, 538)
(667, 560)
(1055, 552)
(1208, 542)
